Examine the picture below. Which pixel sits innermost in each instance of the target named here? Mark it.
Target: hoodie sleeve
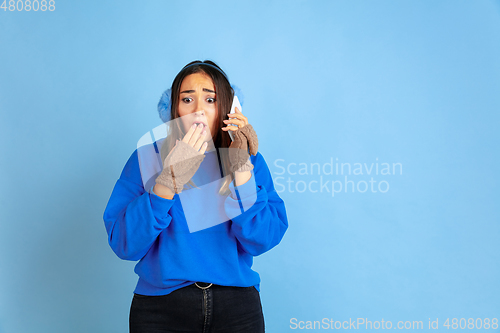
(133, 217)
(258, 214)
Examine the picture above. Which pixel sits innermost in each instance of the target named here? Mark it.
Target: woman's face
(197, 103)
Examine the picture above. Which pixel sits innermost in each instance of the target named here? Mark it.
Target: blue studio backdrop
(378, 120)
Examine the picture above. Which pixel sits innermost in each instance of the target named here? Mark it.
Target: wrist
(241, 177)
(163, 191)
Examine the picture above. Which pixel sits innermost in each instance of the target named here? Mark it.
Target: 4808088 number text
(28, 5)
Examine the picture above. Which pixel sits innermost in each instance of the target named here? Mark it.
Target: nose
(199, 108)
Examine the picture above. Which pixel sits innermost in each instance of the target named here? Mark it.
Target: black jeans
(218, 309)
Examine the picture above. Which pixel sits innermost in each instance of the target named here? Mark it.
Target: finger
(203, 147)
(189, 133)
(195, 135)
(230, 128)
(238, 122)
(237, 115)
(237, 110)
(201, 140)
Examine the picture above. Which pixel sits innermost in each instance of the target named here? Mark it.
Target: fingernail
(193, 126)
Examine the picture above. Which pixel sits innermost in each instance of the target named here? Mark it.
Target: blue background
(410, 82)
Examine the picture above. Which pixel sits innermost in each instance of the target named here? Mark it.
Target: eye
(187, 99)
(211, 100)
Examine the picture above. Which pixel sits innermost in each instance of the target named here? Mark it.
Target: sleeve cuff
(160, 205)
(242, 198)
(245, 190)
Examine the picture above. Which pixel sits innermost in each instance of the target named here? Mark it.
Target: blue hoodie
(216, 246)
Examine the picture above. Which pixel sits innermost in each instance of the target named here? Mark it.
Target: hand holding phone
(236, 104)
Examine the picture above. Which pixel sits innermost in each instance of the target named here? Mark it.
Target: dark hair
(224, 99)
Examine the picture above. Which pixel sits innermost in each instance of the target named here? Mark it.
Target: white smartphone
(236, 104)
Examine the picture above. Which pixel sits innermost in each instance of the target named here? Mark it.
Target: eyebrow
(192, 91)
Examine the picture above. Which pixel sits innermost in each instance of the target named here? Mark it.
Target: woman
(194, 275)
